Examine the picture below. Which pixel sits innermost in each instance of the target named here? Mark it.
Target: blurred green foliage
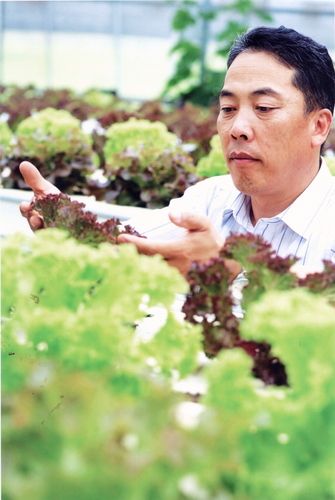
(89, 409)
(6, 136)
(195, 79)
(286, 436)
(213, 163)
(330, 161)
(100, 100)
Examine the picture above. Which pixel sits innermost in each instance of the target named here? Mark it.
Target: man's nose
(241, 127)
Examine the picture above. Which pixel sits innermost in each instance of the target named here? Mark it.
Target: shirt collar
(300, 214)
(240, 208)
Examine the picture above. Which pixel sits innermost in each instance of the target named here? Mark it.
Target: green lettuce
(50, 132)
(147, 139)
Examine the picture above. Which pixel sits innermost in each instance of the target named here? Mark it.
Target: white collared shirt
(305, 229)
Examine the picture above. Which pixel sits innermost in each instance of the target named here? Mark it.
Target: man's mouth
(242, 159)
(242, 156)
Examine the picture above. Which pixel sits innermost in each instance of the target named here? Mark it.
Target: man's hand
(41, 187)
(303, 271)
(201, 242)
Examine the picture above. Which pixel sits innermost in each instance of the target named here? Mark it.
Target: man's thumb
(190, 221)
(35, 181)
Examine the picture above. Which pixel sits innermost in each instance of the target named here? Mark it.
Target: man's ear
(322, 122)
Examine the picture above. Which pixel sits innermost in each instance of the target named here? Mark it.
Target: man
(276, 109)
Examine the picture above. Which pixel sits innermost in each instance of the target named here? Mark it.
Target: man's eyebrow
(226, 93)
(262, 91)
(266, 91)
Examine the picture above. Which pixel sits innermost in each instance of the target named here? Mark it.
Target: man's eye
(264, 109)
(227, 110)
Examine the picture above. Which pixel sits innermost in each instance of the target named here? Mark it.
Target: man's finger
(35, 181)
(25, 208)
(150, 247)
(35, 221)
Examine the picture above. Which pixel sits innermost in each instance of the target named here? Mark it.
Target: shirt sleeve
(156, 224)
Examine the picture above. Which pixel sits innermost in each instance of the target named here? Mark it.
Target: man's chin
(244, 184)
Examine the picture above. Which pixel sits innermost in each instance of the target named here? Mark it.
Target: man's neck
(268, 210)
(270, 206)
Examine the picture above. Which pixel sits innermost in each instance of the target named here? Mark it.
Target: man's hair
(314, 68)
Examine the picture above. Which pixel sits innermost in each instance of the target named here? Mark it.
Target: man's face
(265, 133)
